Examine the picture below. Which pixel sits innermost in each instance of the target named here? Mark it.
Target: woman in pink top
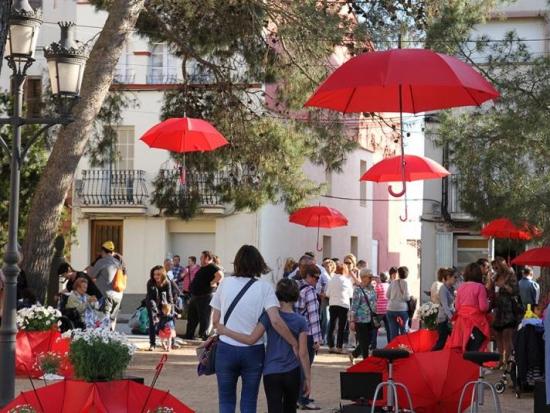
(382, 303)
(471, 330)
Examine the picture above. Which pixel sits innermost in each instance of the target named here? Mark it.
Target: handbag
(207, 352)
(411, 302)
(375, 319)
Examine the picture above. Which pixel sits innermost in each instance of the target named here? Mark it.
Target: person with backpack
(106, 272)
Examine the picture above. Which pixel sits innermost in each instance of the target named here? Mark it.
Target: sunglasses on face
(348, 262)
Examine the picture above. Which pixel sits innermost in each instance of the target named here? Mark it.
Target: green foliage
(99, 355)
(30, 171)
(502, 152)
(49, 362)
(101, 149)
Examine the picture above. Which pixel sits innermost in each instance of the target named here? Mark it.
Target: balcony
(124, 77)
(112, 189)
(161, 79)
(195, 189)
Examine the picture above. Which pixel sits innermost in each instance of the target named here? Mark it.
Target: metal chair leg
(494, 394)
(463, 393)
(391, 396)
(411, 408)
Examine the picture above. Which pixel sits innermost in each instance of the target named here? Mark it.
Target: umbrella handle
(400, 193)
(404, 218)
(317, 247)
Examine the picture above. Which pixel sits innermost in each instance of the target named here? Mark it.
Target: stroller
(526, 365)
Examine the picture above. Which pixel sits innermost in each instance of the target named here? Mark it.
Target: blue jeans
(232, 362)
(395, 328)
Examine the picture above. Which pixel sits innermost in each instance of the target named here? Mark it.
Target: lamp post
(66, 61)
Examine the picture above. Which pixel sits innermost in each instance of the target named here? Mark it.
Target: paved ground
(200, 393)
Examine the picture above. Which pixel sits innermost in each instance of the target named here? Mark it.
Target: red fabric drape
(465, 320)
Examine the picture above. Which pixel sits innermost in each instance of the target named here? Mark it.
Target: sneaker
(152, 348)
(309, 406)
(332, 350)
(175, 346)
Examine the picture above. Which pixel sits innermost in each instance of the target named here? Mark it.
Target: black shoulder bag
(207, 352)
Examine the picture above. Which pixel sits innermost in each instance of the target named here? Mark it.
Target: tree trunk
(5, 7)
(48, 198)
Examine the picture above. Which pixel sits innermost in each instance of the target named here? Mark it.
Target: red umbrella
(402, 80)
(119, 396)
(504, 228)
(318, 216)
(536, 256)
(419, 341)
(416, 168)
(434, 378)
(184, 135)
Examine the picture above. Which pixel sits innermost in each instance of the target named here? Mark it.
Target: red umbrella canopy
(319, 216)
(416, 168)
(122, 396)
(184, 135)
(504, 228)
(371, 82)
(536, 256)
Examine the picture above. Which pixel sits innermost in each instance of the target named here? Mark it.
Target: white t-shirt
(340, 291)
(244, 318)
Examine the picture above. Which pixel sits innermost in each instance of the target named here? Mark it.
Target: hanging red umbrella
(539, 257)
(402, 80)
(318, 216)
(504, 228)
(119, 396)
(184, 135)
(416, 168)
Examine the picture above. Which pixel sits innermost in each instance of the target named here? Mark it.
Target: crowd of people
(486, 301)
(275, 332)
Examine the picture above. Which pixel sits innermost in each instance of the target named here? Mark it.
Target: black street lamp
(66, 61)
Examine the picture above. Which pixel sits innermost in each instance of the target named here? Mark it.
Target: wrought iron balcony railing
(160, 79)
(200, 187)
(101, 187)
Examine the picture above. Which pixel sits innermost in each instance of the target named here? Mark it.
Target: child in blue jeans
(281, 366)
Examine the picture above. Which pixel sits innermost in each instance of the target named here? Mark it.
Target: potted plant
(428, 315)
(38, 318)
(23, 408)
(49, 363)
(99, 354)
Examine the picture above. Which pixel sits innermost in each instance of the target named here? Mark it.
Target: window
(124, 72)
(125, 148)
(33, 97)
(354, 246)
(469, 249)
(327, 246)
(363, 184)
(162, 65)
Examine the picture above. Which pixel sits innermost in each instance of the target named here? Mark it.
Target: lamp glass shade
(66, 75)
(22, 38)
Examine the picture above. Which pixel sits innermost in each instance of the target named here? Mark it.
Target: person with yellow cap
(102, 273)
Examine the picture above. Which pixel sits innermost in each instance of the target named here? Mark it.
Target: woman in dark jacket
(506, 306)
(159, 291)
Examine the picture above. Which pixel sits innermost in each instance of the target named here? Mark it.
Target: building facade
(114, 202)
(450, 236)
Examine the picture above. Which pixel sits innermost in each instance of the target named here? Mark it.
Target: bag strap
(368, 301)
(237, 299)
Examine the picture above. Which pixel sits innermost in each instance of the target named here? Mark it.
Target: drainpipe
(445, 187)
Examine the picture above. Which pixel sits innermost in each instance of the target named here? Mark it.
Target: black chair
(479, 385)
(358, 388)
(392, 402)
